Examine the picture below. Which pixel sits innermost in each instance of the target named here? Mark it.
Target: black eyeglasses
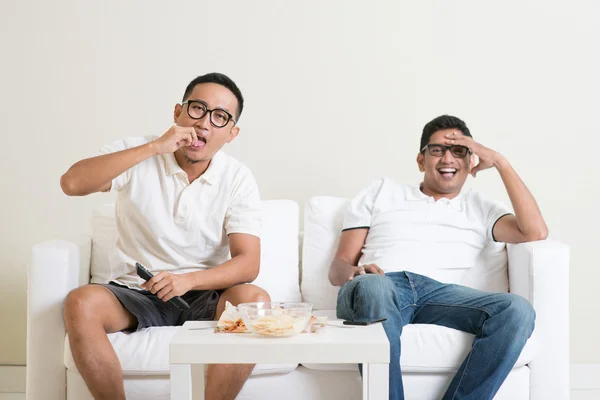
(197, 109)
(438, 150)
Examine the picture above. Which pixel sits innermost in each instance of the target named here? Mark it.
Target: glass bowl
(275, 319)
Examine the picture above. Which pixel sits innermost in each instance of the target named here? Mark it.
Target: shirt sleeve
(494, 210)
(122, 180)
(244, 213)
(360, 209)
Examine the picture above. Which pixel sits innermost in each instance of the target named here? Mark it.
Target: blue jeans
(501, 323)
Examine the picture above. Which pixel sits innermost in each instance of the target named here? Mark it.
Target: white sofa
(430, 354)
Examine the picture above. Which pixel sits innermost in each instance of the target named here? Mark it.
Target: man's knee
(93, 305)
(256, 294)
(373, 286)
(79, 303)
(521, 314)
(247, 293)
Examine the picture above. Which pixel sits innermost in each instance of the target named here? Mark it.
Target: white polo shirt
(168, 224)
(410, 231)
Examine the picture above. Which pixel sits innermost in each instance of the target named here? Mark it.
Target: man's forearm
(240, 269)
(528, 215)
(92, 174)
(340, 272)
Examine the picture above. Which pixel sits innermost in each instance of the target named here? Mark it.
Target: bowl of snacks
(275, 319)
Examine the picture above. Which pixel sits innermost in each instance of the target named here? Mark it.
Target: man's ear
(233, 133)
(472, 162)
(177, 112)
(421, 162)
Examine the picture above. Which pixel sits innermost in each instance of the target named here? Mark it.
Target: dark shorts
(152, 311)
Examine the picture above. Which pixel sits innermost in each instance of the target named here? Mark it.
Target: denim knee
(373, 288)
(521, 314)
(374, 285)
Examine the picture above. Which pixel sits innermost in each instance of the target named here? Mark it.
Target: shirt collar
(415, 194)
(211, 175)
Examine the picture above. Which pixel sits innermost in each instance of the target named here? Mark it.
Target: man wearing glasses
(182, 207)
(390, 229)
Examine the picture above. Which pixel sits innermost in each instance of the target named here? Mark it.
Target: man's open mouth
(447, 172)
(200, 143)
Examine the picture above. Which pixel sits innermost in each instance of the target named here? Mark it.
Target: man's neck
(436, 196)
(193, 169)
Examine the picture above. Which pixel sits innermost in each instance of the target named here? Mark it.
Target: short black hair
(439, 123)
(220, 79)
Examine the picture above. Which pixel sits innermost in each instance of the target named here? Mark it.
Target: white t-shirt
(410, 231)
(167, 224)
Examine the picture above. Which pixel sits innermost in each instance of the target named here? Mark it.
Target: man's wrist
(500, 162)
(153, 149)
(193, 279)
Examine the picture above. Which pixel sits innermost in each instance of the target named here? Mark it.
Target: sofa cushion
(323, 218)
(279, 274)
(430, 348)
(146, 352)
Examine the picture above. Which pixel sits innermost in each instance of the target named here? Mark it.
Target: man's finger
(194, 137)
(154, 280)
(370, 269)
(164, 294)
(159, 285)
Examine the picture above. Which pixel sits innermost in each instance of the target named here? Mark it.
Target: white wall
(337, 93)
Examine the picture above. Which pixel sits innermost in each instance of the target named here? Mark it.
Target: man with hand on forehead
(183, 207)
(390, 229)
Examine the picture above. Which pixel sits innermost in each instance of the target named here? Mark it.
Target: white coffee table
(195, 345)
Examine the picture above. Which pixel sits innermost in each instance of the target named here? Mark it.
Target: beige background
(337, 94)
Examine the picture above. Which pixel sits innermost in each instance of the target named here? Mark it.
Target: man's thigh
(95, 304)
(455, 306)
(147, 309)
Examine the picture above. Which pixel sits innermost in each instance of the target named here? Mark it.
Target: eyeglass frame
(445, 148)
(209, 111)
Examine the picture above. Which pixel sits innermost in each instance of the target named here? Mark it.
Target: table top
(196, 343)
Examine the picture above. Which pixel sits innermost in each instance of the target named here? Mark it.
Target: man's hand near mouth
(175, 138)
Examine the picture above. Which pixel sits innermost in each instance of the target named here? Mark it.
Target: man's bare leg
(224, 381)
(90, 313)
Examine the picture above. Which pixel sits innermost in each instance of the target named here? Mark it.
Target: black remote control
(146, 275)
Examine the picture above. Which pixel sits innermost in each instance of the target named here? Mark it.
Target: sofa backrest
(279, 274)
(323, 218)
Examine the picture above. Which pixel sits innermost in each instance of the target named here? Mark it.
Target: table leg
(376, 381)
(198, 381)
(181, 382)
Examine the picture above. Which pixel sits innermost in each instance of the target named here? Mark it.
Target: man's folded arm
(343, 267)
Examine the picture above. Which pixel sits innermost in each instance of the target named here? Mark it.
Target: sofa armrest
(539, 271)
(54, 271)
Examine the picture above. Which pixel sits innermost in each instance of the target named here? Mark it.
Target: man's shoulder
(398, 190)
(230, 163)
(231, 168)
